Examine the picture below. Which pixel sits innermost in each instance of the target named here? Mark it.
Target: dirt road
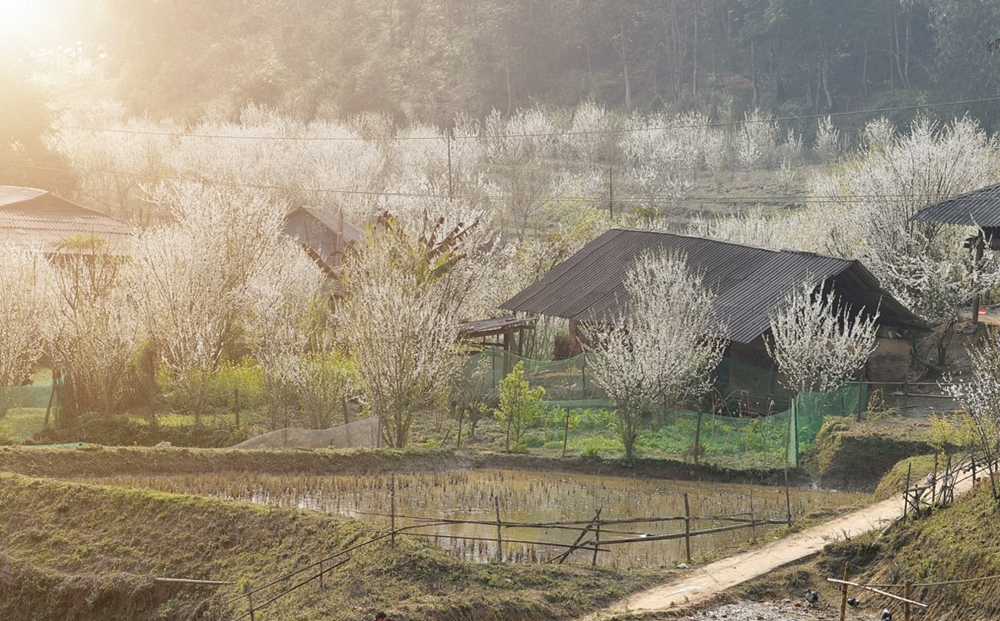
(700, 584)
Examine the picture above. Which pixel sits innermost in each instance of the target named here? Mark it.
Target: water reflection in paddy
(522, 497)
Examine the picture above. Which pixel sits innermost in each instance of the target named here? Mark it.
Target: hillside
(953, 544)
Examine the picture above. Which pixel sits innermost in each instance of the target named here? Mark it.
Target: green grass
(19, 424)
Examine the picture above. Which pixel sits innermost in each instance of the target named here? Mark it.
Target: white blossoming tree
(285, 321)
(193, 279)
(871, 199)
(663, 349)
(818, 343)
(96, 330)
(979, 394)
(26, 302)
(406, 289)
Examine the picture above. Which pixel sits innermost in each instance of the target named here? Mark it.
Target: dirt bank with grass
(96, 461)
(854, 457)
(76, 552)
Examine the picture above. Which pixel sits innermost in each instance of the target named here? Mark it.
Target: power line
(636, 200)
(621, 130)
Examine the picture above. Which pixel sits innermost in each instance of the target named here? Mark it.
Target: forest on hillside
(428, 60)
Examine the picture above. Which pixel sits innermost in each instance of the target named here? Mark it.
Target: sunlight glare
(20, 17)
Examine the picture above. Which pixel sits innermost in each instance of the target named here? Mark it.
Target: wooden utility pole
(611, 192)
(451, 192)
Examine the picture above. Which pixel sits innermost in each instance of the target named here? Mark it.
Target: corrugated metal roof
(749, 282)
(37, 219)
(977, 208)
(10, 194)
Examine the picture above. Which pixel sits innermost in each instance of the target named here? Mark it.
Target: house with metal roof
(39, 220)
(750, 283)
(979, 208)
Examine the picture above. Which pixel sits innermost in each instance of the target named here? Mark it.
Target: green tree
(520, 404)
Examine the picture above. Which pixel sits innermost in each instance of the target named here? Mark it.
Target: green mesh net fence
(749, 422)
(567, 383)
(22, 410)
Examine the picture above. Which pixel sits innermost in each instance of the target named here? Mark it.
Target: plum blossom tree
(663, 349)
(193, 279)
(406, 290)
(515, 152)
(871, 199)
(26, 303)
(817, 342)
(756, 140)
(284, 322)
(979, 394)
(96, 331)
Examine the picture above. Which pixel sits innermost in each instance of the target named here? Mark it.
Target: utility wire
(601, 199)
(621, 130)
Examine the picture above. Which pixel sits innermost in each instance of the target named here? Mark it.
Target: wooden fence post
(566, 433)
(906, 605)
(496, 504)
(250, 604)
(392, 507)
(321, 574)
(687, 528)
(753, 520)
(788, 499)
(236, 404)
(843, 594)
(906, 490)
(597, 537)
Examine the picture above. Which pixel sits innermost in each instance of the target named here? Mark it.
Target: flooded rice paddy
(419, 502)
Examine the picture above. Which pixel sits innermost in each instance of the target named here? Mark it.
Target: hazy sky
(34, 24)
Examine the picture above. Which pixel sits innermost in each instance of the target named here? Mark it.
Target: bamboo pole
(707, 531)
(186, 581)
(566, 433)
(583, 533)
(906, 490)
(788, 499)
(879, 591)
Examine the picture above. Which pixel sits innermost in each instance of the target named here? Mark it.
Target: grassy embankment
(72, 551)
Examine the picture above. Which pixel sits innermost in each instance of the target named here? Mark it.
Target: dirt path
(703, 583)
